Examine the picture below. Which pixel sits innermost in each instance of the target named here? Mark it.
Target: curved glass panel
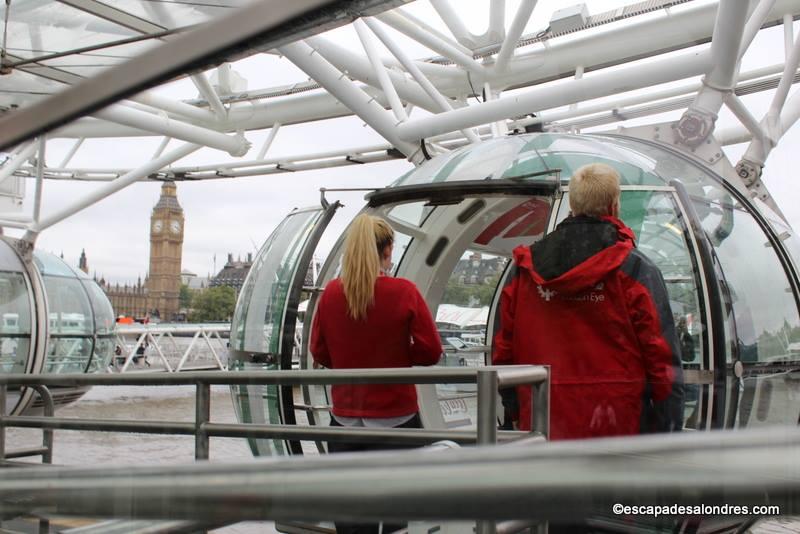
(15, 314)
(80, 319)
(104, 326)
(256, 325)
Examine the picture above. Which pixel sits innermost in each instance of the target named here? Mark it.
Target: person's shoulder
(636, 256)
(402, 285)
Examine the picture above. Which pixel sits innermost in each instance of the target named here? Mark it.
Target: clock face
(175, 226)
(158, 225)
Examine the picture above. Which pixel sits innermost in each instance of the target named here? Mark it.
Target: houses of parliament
(159, 295)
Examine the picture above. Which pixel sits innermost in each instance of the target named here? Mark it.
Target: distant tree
(470, 295)
(213, 304)
(185, 297)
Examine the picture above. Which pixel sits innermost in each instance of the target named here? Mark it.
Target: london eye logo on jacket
(549, 294)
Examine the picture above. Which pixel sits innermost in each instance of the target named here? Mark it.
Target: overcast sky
(236, 215)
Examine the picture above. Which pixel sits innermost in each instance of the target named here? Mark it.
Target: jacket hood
(581, 252)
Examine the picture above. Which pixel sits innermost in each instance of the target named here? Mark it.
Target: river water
(166, 403)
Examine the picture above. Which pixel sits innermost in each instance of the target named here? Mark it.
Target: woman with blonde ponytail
(366, 319)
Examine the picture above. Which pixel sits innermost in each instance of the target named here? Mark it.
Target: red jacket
(398, 332)
(588, 304)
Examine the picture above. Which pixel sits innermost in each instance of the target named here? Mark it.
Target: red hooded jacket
(585, 302)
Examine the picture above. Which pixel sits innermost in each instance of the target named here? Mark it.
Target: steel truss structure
(605, 68)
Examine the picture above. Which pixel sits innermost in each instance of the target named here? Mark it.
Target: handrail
(489, 379)
(566, 480)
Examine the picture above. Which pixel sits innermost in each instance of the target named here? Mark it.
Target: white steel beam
(603, 84)
(725, 44)
(745, 117)
(111, 188)
(148, 98)
(524, 12)
(360, 69)
(646, 38)
(72, 152)
(161, 147)
(409, 65)
(205, 88)
(497, 21)
(18, 160)
(235, 146)
(788, 34)
(453, 23)
(754, 23)
(403, 25)
(268, 141)
(117, 16)
(305, 58)
(380, 70)
(40, 163)
(433, 31)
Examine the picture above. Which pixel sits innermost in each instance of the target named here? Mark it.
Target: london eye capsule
(55, 319)
(729, 262)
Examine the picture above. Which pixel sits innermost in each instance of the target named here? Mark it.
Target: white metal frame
(519, 75)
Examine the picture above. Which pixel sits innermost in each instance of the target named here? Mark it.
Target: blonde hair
(361, 264)
(592, 189)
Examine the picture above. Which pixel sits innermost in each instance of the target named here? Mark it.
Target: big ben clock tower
(166, 244)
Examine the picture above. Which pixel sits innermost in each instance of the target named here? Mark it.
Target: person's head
(367, 251)
(594, 191)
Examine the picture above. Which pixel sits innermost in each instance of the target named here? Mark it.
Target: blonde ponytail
(361, 263)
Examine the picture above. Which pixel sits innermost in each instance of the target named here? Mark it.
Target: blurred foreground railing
(488, 380)
(551, 481)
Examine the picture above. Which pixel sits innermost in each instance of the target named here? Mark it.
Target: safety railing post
(3, 392)
(487, 407)
(202, 416)
(49, 410)
(540, 411)
(487, 425)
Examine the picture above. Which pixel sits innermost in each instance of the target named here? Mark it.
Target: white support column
(40, 164)
(453, 22)
(497, 20)
(174, 107)
(745, 117)
(782, 91)
(522, 17)
(498, 128)
(754, 23)
(268, 141)
(562, 94)
(699, 120)
(790, 113)
(725, 42)
(234, 145)
(431, 30)
(205, 88)
(161, 147)
(19, 158)
(434, 43)
(72, 152)
(305, 58)
(578, 76)
(380, 70)
(788, 34)
(111, 188)
(421, 79)
(360, 69)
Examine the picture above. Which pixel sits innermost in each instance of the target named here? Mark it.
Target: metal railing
(161, 339)
(488, 380)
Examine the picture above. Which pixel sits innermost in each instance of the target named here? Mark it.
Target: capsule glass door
(453, 241)
(265, 321)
